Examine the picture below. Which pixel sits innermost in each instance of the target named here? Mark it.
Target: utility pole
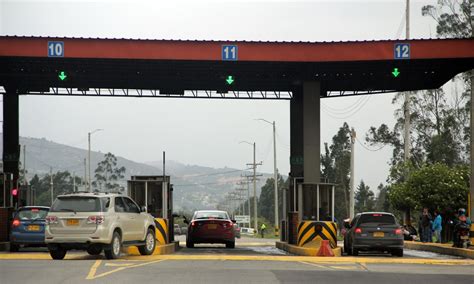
(25, 181)
(275, 174)
(85, 174)
(89, 154)
(471, 186)
(51, 184)
(351, 198)
(406, 156)
(73, 182)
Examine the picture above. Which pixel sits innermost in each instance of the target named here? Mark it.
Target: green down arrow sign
(395, 72)
(62, 76)
(230, 80)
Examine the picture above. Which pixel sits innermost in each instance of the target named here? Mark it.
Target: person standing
(262, 229)
(425, 226)
(436, 227)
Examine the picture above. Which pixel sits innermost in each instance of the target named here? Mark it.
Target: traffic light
(15, 197)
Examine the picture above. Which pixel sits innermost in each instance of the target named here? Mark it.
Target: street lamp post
(275, 174)
(89, 157)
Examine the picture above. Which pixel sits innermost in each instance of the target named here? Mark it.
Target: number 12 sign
(401, 51)
(229, 52)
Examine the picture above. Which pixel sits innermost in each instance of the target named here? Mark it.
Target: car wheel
(150, 243)
(94, 250)
(113, 250)
(354, 251)
(58, 253)
(397, 252)
(14, 248)
(230, 245)
(189, 243)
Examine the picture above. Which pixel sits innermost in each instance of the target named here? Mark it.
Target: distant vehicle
(237, 231)
(27, 228)
(247, 231)
(184, 230)
(96, 222)
(177, 229)
(208, 226)
(373, 231)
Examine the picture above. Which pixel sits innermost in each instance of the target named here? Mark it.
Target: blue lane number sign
(55, 49)
(229, 52)
(401, 51)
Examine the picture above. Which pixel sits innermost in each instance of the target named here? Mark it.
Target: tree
(108, 173)
(336, 169)
(266, 201)
(364, 199)
(432, 186)
(62, 184)
(382, 202)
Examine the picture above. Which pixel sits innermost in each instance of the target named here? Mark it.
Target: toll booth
(310, 208)
(155, 193)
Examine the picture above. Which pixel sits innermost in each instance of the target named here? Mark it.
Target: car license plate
(33, 228)
(212, 226)
(379, 234)
(72, 222)
(464, 237)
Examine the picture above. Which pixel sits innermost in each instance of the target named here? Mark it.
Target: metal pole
(89, 158)
(51, 184)
(318, 196)
(351, 198)
(332, 203)
(407, 20)
(248, 196)
(471, 186)
(255, 190)
(73, 182)
(85, 175)
(275, 175)
(146, 196)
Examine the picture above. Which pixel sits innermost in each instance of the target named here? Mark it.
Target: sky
(208, 132)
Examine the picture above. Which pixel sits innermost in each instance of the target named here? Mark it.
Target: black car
(373, 231)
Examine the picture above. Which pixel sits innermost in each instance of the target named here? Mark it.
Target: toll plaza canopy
(34, 65)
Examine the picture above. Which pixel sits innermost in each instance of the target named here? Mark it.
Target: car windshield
(32, 213)
(79, 204)
(377, 219)
(211, 215)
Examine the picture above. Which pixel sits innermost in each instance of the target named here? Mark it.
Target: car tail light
(358, 231)
(193, 224)
(398, 231)
(229, 224)
(96, 220)
(15, 223)
(51, 220)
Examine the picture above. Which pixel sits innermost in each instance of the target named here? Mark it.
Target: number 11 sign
(229, 52)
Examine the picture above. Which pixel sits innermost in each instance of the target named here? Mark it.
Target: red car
(213, 227)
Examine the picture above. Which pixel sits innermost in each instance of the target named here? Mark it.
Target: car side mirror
(234, 221)
(347, 225)
(186, 221)
(143, 209)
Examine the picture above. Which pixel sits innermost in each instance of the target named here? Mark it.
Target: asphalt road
(252, 261)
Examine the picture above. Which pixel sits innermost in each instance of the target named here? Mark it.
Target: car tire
(397, 252)
(354, 251)
(230, 245)
(58, 253)
(189, 243)
(14, 248)
(112, 251)
(94, 250)
(150, 242)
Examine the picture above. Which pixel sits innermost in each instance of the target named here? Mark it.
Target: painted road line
(345, 267)
(316, 265)
(93, 270)
(92, 273)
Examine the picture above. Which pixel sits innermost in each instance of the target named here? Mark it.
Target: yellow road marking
(363, 266)
(348, 267)
(118, 264)
(92, 275)
(93, 269)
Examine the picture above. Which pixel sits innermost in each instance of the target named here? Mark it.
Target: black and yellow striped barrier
(161, 231)
(310, 232)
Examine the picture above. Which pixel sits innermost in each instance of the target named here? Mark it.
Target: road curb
(159, 249)
(304, 251)
(440, 248)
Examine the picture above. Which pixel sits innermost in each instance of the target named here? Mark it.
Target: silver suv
(96, 222)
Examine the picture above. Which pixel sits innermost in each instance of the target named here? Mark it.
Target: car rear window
(32, 213)
(211, 215)
(377, 219)
(79, 204)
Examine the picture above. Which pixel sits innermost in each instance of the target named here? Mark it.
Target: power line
(351, 114)
(368, 149)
